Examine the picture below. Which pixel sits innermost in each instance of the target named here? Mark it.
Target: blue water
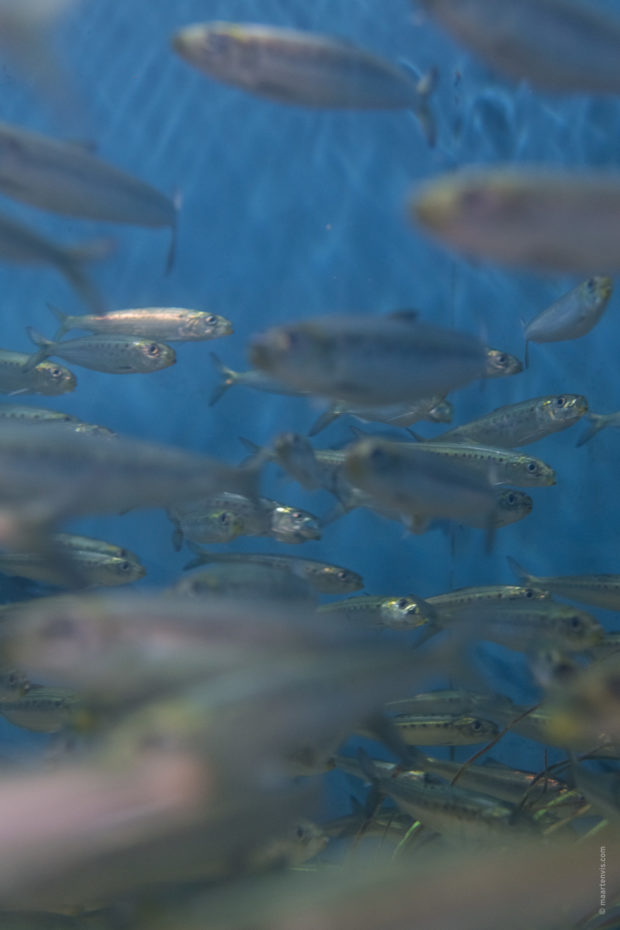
(287, 213)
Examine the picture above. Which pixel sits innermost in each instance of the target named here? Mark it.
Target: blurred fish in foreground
(533, 217)
(370, 359)
(26, 45)
(567, 46)
(55, 473)
(23, 246)
(67, 178)
(303, 68)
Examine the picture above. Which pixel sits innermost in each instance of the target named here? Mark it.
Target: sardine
(573, 315)
(595, 590)
(115, 355)
(168, 324)
(69, 179)
(370, 360)
(537, 218)
(303, 68)
(404, 612)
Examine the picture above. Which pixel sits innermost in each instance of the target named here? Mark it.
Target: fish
(225, 516)
(22, 245)
(434, 409)
(499, 465)
(43, 710)
(257, 380)
(510, 507)
(597, 422)
(67, 178)
(325, 577)
(519, 424)
(562, 46)
(404, 612)
(115, 355)
(444, 729)
(56, 473)
(169, 324)
(573, 315)
(27, 414)
(421, 487)
(594, 590)
(369, 359)
(252, 581)
(95, 562)
(459, 815)
(453, 701)
(471, 600)
(522, 624)
(44, 378)
(501, 364)
(532, 217)
(303, 69)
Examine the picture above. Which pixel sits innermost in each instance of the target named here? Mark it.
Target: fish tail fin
(62, 318)
(73, 270)
(519, 571)
(45, 348)
(227, 375)
(174, 232)
(596, 422)
(328, 416)
(426, 88)
(250, 446)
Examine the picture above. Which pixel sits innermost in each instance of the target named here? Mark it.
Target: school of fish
(268, 740)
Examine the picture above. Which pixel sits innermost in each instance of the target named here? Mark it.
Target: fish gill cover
(364, 198)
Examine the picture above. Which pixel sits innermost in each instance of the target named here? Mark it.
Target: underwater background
(288, 213)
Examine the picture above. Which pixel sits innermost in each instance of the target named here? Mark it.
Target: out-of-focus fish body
(67, 178)
(116, 355)
(169, 324)
(536, 218)
(24, 246)
(565, 46)
(520, 424)
(370, 360)
(597, 422)
(44, 378)
(574, 314)
(247, 580)
(301, 68)
(326, 578)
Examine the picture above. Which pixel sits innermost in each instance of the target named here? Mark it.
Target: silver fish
(573, 315)
(169, 324)
(23, 246)
(434, 409)
(116, 355)
(67, 178)
(519, 424)
(369, 360)
(558, 45)
(537, 218)
(303, 68)
(44, 378)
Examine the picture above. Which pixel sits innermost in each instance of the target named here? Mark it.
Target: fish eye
(56, 372)
(297, 515)
(532, 467)
(529, 593)
(576, 623)
(402, 603)
(341, 576)
(223, 518)
(591, 285)
(511, 498)
(560, 401)
(476, 725)
(377, 454)
(153, 350)
(125, 566)
(211, 319)
(299, 832)
(502, 358)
